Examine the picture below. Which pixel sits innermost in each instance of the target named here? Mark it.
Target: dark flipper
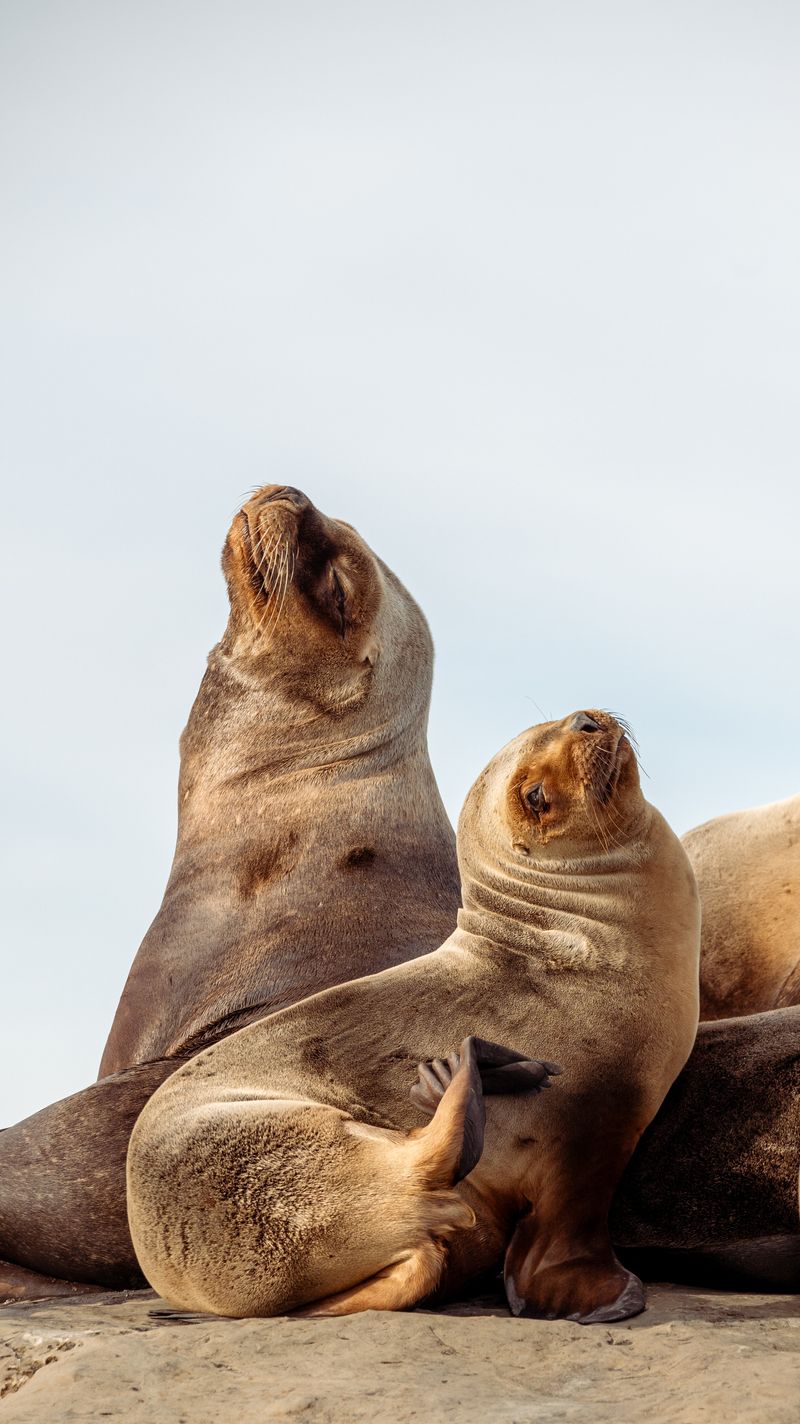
(589, 1285)
(454, 1137)
(501, 1070)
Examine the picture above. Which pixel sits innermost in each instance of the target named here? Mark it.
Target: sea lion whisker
(268, 618)
(281, 588)
(616, 825)
(261, 561)
(264, 556)
(284, 586)
(609, 816)
(270, 579)
(600, 835)
(610, 812)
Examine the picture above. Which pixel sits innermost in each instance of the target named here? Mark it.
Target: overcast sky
(513, 288)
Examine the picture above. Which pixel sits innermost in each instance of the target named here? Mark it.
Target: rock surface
(695, 1356)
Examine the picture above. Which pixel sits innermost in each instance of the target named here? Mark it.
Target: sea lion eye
(340, 600)
(535, 799)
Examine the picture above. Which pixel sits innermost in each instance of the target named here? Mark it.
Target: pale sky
(512, 287)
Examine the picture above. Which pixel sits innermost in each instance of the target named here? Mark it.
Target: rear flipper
(444, 1152)
(500, 1069)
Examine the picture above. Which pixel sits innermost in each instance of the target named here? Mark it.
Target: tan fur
(251, 1187)
(307, 803)
(748, 873)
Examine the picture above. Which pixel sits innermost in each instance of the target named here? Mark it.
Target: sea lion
(305, 787)
(312, 847)
(748, 873)
(711, 1194)
(286, 1167)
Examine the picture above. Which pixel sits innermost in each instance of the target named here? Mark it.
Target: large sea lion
(306, 802)
(286, 1166)
(312, 847)
(748, 873)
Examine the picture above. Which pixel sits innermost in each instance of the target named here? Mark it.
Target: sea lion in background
(748, 873)
(286, 1165)
(312, 847)
(711, 1194)
(307, 805)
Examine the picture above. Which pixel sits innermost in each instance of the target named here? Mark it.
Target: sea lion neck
(241, 734)
(546, 908)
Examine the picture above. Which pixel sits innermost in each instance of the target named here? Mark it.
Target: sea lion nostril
(288, 493)
(582, 722)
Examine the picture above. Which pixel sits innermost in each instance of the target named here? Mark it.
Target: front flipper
(501, 1071)
(581, 1280)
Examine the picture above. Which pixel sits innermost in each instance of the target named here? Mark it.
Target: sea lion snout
(270, 494)
(306, 589)
(574, 781)
(583, 722)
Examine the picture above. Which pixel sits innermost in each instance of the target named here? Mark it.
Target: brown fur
(280, 1167)
(305, 756)
(712, 1192)
(748, 873)
(307, 805)
(62, 1183)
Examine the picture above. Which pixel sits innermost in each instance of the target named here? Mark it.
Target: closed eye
(340, 600)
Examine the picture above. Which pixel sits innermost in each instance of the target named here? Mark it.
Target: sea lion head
(315, 616)
(564, 790)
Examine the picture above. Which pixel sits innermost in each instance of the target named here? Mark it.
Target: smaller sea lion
(286, 1166)
(748, 873)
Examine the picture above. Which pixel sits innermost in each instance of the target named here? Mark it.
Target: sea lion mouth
(270, 530)
(606, 757)
(607, 779)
